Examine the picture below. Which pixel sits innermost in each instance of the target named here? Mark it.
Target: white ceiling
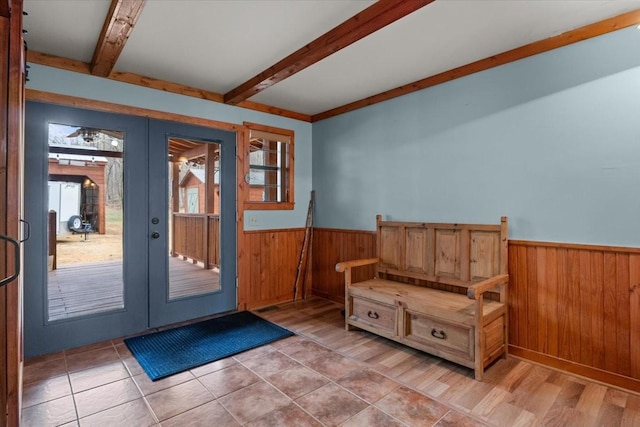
(217, 45)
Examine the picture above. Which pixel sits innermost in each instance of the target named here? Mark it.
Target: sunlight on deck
(91, 288)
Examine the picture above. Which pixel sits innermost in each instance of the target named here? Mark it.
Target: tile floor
(322, 376)
(292, 382)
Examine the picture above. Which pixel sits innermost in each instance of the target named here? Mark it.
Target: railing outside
(53, 248)
(197, 236)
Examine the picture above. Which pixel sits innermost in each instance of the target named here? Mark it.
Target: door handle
(155, 235)
(16, 271)
(28, 230)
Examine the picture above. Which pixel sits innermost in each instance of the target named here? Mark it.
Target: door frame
(242, 135)
(242, 259)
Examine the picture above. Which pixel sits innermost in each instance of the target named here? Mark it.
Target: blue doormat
(175, 350)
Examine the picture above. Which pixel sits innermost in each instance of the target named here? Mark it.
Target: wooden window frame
(267, 205)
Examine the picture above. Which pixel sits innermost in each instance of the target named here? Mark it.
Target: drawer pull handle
(373, 314)
(440, 335)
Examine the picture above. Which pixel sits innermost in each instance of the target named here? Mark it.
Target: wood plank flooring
(97, 287)
(514, 392)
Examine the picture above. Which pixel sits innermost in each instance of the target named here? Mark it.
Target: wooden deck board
(97, 287)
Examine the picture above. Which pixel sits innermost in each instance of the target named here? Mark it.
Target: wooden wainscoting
(577, 308)
(267, 264)
(330, 246)
(572, 307)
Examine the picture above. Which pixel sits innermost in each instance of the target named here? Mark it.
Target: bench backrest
(449, 254)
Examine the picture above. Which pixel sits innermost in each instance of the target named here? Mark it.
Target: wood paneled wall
(571, 307)
(11, 156)
(331, 246)
(267, 265)
(577, 307)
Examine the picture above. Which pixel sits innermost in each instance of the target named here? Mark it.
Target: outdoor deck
(97, 287)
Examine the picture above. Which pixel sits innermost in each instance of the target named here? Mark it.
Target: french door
(103, 196)
(189, 274)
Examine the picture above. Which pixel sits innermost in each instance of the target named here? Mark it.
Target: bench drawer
(436, 332)
(373, 313)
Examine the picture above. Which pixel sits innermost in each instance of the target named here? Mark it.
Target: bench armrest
(342, 266)
(476, 290)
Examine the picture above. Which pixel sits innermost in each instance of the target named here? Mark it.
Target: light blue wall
(85, 86)
(552, 141)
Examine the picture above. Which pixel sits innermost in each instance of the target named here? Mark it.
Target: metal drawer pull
(373, 314)
(440, 335)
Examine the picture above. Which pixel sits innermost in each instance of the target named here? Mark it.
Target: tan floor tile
(44, 370)
(297, 381)
(283, 343)
(44, 358)
(213, 366)
(331, 404)
(258, 351)
(456, 419)
(616, 397)
(272, 364)
(372, 417)
(95, 377)
(556, 417)
(107, 396)
(45, 390)
(71, 424)
(411, 407)
(148, 387)
(89, 347)
(123, 350)
(334, 365)
(135, 413)
(207, 415)
(91, 359)
(367, 384)
(630, 418)
(610, 415)
(132, 366)
(305, 351)
(228, 380)
(287, 416)
(51, 413)
(178, 399)
(251, 402)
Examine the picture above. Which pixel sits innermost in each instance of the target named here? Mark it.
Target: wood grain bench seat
(432, 313)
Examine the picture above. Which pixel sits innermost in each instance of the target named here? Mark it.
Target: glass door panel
(85, 199)
(194, 218)
(192, 205)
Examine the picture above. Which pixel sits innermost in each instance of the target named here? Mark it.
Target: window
(269, 172)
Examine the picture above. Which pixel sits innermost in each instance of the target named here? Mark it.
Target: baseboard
(605, 377)
(327, 295)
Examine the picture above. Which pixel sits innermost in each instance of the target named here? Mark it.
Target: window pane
(269, 163)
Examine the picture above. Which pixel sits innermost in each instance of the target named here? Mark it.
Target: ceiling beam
(573, 36)
(370, 20)
(116, 30)
(192, 153)
(151, 83)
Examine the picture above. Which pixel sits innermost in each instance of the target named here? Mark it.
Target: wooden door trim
(242, 133)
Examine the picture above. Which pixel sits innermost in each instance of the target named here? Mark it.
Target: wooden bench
(439, 288)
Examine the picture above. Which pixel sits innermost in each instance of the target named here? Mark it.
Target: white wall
(85, 86)
(552, 141)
